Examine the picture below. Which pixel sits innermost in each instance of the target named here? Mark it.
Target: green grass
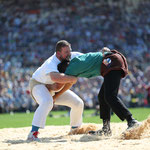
(23, 120)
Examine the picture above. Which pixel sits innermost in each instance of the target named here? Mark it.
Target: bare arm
(65, 88)
(62, 78)
(55, 87)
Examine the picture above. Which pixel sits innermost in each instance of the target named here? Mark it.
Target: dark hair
(60, 44)
(63, 65)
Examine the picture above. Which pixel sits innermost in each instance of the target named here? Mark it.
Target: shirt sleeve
(52, 69)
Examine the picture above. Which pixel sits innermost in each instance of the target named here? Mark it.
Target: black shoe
(133, 123)
(103, 132)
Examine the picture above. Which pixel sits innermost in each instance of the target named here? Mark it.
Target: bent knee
(47, 104)
(79, 104)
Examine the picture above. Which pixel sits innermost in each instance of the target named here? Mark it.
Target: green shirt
(86, 65)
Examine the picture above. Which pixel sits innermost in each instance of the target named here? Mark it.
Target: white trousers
(45, 101)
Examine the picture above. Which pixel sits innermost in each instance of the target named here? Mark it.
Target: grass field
(61, 118)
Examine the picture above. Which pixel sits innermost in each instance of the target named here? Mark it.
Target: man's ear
(58, 53)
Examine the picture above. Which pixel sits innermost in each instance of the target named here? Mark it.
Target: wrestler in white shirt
(47, 73)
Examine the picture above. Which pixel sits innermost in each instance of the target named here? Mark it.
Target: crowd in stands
(29, 31)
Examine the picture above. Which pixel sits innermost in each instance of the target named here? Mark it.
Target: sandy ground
(57, 138)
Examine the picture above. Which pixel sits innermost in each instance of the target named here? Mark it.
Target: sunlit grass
(15, 120)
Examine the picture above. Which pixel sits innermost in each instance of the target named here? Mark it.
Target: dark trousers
(108, 98)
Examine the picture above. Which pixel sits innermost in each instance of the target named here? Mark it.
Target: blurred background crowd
(30, 29)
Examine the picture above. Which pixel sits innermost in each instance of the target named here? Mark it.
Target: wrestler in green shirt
(112, 65)
(86, 65)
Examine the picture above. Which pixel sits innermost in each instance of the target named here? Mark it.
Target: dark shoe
(103, 132)
(133, 123)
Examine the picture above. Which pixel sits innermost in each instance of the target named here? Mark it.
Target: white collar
(56, 59)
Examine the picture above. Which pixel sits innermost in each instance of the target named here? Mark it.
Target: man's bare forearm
(55, 87)
(62, 78)
(65, 88)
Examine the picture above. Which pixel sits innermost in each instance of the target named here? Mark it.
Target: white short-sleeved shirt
(50, 65)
